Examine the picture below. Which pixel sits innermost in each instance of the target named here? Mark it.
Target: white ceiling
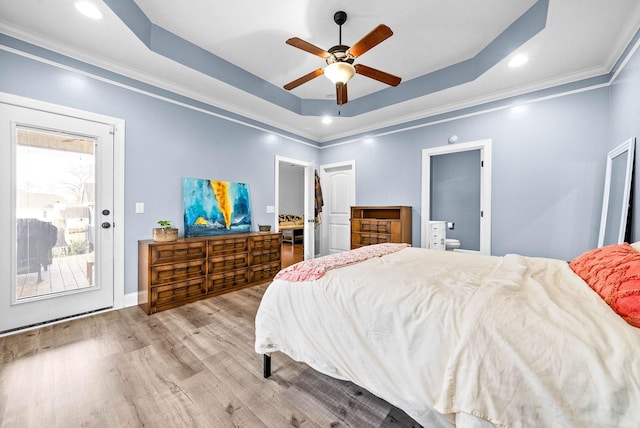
(581, 39)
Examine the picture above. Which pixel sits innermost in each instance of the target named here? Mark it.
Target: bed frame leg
(266, 367)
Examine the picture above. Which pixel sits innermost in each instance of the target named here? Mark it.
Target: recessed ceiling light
(326, 120)
(88, 9)
(518, 60)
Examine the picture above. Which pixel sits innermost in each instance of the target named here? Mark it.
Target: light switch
(271, 209)
(139, 207)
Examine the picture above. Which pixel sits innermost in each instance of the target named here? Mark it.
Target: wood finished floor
(192, 366)
(291, 254)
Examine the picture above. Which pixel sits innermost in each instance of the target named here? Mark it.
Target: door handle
(106, 225)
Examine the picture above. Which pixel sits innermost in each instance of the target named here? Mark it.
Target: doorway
(283, 166)
(57, 215)
(456, 188)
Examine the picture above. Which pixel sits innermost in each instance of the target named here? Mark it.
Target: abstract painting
(214, 207)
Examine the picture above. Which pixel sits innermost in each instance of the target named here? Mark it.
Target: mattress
(463, 339)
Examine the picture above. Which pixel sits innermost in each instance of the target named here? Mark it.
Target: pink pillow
(614, 273)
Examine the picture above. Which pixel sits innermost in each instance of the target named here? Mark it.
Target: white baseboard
(130, 299)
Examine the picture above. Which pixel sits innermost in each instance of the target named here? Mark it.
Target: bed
(466, 340)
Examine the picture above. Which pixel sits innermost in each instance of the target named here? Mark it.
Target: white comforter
(517, 341)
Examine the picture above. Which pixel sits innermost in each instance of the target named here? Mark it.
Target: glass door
(58, 206)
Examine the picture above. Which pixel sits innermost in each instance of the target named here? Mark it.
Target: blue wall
(625, 124)
(548, 156)
(548, 171)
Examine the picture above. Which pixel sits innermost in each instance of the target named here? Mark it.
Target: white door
(56, 216)
(339, 191)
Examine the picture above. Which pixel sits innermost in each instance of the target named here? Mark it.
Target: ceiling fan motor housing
(339, 54)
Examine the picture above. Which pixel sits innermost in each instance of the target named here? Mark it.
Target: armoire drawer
(371, 239)
(375, 226)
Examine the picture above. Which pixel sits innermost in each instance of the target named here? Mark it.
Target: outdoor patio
(65, 273)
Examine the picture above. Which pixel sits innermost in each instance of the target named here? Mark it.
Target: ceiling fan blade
(341, 94)
(376, 36)
(304, 79)
(307, 47)
(378, 75)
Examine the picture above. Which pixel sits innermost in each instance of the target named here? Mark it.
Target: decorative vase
(165, 234)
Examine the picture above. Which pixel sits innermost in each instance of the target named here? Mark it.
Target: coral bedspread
(516, 341)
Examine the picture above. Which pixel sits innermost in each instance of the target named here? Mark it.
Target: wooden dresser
(173, 273)
(377, 225)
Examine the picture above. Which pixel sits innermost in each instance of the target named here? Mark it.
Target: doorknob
(106, 225)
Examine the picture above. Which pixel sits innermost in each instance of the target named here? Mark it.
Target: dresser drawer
(178, 252)
(371, 239)
(225, 280)
(263, 273)
(227, 263)
(162, 274)
(265, 241)
(375, 226)
(166, 296)
(227, 246)
(437, 226)
(259, 257)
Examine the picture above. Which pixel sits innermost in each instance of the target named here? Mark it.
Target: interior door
(339, 191)
(56, 216)
(309, 242)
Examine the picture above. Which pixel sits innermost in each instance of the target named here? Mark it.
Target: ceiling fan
(339, 58)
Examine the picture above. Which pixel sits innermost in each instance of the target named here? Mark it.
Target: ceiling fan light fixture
(339, 72)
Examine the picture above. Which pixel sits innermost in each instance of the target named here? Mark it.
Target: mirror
(617, 191)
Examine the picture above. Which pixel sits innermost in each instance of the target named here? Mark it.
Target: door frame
(309, 197)
(118, 130)
(485, 189)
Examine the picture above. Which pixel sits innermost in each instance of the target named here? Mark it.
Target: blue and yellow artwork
(214, 207)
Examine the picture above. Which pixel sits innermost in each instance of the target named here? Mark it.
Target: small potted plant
(165, 232)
